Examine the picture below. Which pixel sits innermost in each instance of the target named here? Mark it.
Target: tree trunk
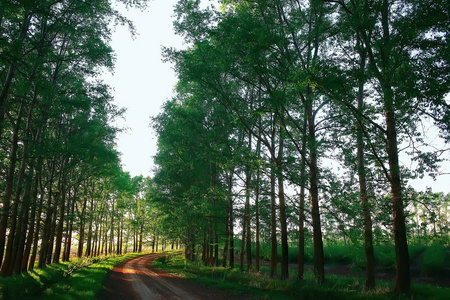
(282, 207)
(38, 224)
(364, 198)
(319, 270)
(247, 217)
(273, 223)
(257, 221)
(231, 218)
(402, 275)
(141, 237)
(68, 242)
(301, 212)
(32, 228)
(119, 235)
(16, 223)
(52, 235)
(241, 252)
(60, 227)
(227, 238)
(216, 245)
(9, 184)
(88, 251)
(23, 219)
(82, 222)
(111, 235)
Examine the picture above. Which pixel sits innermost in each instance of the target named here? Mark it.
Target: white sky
(142, 83)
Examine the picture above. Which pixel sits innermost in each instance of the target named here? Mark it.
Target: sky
(142, 83)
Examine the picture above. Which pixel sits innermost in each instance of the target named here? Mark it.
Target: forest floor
(137, 279)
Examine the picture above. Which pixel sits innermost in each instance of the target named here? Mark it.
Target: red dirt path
(136, 279)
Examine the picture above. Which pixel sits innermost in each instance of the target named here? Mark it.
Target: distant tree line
(292, 121)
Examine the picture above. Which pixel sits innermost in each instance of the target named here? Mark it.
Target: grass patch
(80, 278)
(261, 286)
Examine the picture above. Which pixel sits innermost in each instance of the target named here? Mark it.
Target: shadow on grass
(77, 279)
(261, 286)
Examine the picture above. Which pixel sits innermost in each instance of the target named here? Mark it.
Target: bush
(338, 254)
(415, 251)
(434, 260)
(385, 256)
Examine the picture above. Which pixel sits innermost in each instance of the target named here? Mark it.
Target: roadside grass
(261, 286)
(80, 278)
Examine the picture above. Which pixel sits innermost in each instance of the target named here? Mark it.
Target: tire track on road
(136, 279)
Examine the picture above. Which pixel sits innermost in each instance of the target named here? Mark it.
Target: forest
(62, 181)
(295, 125)
(302, 122)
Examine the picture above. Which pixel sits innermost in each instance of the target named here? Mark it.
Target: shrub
(385, 256)
(434, 260)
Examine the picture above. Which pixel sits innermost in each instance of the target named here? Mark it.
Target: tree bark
(402, 275)
(247, 215)
(319, 270)
(82, 222)
(89, 237)
(16, 219)
(227, 238)
(68, 242)
(231, 218)
(9, 184)
(32, 228)
(60, 227)
(257, 192)
(23, 220)
(241, 252)
(364, 197)
(282, 207)
(273, 223)
(38, 223)
(301, 212)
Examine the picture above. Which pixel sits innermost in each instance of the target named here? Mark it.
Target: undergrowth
(430, 260)
(261, 286)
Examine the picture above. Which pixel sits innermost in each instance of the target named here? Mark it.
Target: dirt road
(136, 279)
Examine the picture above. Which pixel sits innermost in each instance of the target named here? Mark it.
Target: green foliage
(385, 256)
(339, 254)
(431, 260)
(436, 259)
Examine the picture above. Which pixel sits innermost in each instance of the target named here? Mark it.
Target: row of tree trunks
(45, 216)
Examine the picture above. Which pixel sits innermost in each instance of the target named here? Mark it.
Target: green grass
(435, 260)
(81, 278)
(261, 286)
